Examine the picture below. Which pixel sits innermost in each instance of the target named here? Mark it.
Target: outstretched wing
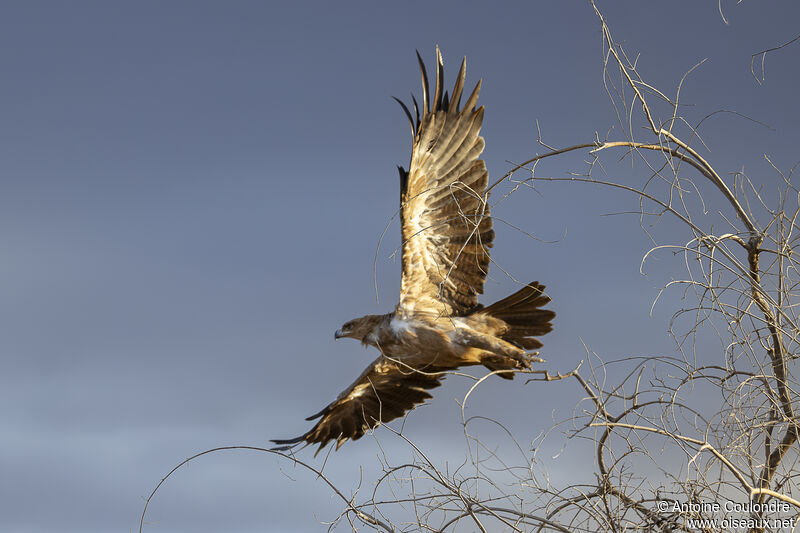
(446, 228)
(383, 392)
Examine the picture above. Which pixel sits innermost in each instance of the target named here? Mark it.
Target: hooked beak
(338, 334)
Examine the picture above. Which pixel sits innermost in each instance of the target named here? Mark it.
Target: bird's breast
(404, 337)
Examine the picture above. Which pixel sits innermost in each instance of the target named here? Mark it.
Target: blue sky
(191, 199)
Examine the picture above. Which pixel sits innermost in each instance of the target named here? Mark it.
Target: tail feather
(524, 316)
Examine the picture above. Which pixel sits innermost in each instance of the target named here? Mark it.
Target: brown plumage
(438, 325)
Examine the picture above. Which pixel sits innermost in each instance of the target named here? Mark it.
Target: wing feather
(446, 224)
(437, 96)
(425, 107)
(383, 392)
(455, 100)
(408, 115)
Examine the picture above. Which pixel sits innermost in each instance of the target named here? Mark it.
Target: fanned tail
(523, 313)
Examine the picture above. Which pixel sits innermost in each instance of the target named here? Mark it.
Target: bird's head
(358, 328)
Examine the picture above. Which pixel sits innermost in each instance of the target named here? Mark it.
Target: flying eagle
(438, 325)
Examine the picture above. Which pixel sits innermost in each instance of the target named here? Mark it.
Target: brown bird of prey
(438, 325)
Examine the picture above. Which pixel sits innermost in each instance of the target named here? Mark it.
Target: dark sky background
(191, 199)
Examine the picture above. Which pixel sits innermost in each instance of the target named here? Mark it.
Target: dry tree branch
(763, 54)
(366, 518)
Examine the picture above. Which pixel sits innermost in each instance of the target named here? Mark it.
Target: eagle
(438, 324)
